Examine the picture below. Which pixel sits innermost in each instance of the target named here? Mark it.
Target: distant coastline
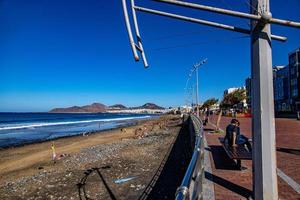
(150, 108)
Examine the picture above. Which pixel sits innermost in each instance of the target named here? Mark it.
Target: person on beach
(233, 136)
(53, 152)
(123, 130)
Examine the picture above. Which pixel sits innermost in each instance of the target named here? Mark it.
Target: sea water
(23, 128)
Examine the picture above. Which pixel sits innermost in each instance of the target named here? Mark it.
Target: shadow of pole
(81, 185)
(112, 196)
(229, 185)
(288, 150)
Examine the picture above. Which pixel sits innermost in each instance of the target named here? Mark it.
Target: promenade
(230, 183)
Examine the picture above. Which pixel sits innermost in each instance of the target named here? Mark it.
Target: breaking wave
(43, 124)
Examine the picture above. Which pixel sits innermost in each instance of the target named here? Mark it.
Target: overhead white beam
(231, 12)
(204, 22)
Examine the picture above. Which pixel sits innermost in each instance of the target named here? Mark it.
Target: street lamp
(195, 69)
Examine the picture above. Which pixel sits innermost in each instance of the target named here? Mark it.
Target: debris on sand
(122, 180)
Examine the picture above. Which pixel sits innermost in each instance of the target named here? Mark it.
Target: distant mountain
(93, 108)
(118, 107)
(149, 106)
(98, 107)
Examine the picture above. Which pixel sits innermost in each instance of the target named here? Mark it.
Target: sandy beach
(28, 172)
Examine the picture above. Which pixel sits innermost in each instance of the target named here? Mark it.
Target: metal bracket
(184, 191)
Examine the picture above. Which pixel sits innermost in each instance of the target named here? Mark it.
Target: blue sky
(56, 53)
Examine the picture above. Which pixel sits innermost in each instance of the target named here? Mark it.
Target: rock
(50, 186)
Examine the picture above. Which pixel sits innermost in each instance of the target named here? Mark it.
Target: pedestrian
(233, 136)
(53, 152)
(206, 117)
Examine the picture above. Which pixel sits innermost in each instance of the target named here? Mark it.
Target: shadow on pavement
(221, 159)
(229, 185)
(208, 129)
(169, 175)
(287, 150)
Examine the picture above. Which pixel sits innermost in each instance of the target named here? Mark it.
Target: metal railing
(192, 183)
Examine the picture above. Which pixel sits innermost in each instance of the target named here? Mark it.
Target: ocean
(23, 128)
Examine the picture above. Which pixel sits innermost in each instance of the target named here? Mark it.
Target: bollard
(298, 115)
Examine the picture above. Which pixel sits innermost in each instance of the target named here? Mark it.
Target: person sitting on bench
(233, 136)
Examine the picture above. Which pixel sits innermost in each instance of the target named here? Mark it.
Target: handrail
(191, 185)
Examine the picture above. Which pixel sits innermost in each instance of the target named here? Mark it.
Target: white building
(231, 90)
(242, 104)
(139, 111)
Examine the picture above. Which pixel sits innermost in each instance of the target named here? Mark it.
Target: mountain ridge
(99, 107)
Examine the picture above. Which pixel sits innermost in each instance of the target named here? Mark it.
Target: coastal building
(286, 84)
(230, 90)
(139, 111)
(281, 87)
(294, 79)
(186, 108)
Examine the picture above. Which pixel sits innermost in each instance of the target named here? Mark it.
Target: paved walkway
(230, 183)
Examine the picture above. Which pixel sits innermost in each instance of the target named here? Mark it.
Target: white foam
(70, 122)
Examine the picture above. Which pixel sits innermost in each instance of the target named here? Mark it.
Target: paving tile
(230, 183)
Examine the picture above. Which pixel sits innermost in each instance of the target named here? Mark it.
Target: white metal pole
(193, 106)
(131, 40)
(137, 31)
(263, 124)
(197, 90)
(204, 22)
(230, 12)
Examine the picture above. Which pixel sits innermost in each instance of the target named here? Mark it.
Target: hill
(149, 106)
(93, 108)
(98, 107)
(118, 107)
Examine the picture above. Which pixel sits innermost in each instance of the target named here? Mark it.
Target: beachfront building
(286, 84)
(294, 79)
(186, 109)
(281, 88)
(230, 90)
(139, 111)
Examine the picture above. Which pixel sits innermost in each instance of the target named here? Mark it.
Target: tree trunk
(219, 119)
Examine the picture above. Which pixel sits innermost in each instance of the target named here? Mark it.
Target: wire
(251, 6)
(180, 35)
(230, 7)
(197, 43)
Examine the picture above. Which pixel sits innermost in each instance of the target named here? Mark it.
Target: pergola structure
(263, 124)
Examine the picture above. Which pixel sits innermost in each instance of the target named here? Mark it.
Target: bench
(237, 153)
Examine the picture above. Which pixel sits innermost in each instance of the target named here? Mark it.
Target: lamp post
(196, 66)
(195, 69)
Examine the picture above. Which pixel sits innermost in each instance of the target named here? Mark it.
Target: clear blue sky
(56, 53)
